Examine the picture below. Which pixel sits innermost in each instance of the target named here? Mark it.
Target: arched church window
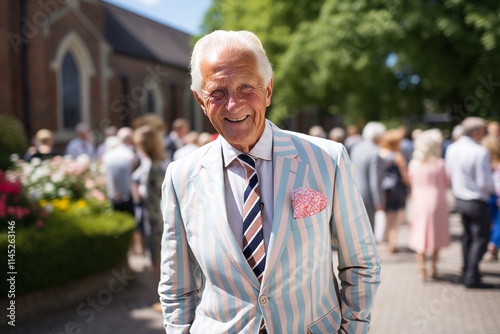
(150, 102)
(71, 98)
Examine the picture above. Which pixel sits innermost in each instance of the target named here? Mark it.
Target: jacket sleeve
(359, 266)
(179, 281)
(376, 173)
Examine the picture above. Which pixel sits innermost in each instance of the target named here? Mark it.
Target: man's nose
(233, 102)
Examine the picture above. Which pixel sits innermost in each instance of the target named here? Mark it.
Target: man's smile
(237, 119)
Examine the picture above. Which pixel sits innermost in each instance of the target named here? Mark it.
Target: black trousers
(476, 221)
(125, 206)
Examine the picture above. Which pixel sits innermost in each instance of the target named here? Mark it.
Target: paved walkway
(407, 305)
(404, 304)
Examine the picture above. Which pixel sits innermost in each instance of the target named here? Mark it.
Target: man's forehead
(222, 59)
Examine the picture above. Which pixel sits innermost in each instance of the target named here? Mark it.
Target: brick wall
(44, 38)
(10, 84)
(138, 71)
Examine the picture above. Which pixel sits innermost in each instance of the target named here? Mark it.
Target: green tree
(375, 59)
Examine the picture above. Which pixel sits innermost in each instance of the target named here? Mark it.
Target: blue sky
(185, 15)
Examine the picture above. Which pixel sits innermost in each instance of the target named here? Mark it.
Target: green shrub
(71, 245)
(12, 140)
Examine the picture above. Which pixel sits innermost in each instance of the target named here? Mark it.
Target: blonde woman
(492, 144)
(394, 182)
(429, 229)
(44, 146)
(147, 186)
(147, 180)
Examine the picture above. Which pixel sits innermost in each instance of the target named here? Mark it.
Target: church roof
(135, 35)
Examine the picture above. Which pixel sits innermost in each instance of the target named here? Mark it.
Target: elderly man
(468, 164)
(250, 219)
(119, 161)
(82, 144)
(370, 169)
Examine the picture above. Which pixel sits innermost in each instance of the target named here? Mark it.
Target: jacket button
(263, 300)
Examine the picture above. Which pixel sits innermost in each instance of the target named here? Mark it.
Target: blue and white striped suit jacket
(206, 284)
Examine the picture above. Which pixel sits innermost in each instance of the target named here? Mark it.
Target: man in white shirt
(119, 160)
(82, 143)
(468, 164)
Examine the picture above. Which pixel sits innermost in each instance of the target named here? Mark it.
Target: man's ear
(200, 101)
(269, 90)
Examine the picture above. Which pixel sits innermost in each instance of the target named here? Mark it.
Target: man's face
(478, 134)
(234, 97)
(84, 134)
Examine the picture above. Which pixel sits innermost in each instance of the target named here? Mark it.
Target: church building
(69, 61)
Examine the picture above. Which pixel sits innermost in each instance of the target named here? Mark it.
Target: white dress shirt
(118, 163)
(235, 181)
(468, 165)
(78, 146)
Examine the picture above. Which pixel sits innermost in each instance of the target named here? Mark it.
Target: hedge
(70, 246)
(12, 139)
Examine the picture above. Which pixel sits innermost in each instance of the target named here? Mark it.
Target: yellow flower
(81, 203)
(42, 203)
(61, 204)
(65, 203)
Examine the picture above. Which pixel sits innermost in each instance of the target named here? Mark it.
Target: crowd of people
(405, 176)
(399, 176)
(134, 160)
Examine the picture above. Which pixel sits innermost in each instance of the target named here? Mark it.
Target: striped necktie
(253, 236)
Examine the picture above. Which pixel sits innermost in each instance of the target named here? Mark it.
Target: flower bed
(64, 227)
(60, 177)
(72, 244)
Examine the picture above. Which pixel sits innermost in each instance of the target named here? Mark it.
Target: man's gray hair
(81, 127)
(470, 124)
(222, 40)
(373, 130)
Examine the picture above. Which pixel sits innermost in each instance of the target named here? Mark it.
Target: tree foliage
(375, 59)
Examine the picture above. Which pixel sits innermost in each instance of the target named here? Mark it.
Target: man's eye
(217, 94)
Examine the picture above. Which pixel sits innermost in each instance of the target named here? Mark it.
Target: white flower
(61, 192)
(36, 161)
(67, 158)
(14, 157)
(45, 170)
(48, 188)
(94, 168)
(33, 178)
(57, 177)
(39, 173)
(27, 169)
(83, 159)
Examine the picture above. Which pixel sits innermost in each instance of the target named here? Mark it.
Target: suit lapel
(209, 184)
(288, 173)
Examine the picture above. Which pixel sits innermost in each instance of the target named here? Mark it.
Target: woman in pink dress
(428, 206)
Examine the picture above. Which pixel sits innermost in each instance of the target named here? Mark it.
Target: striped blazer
(206, 284)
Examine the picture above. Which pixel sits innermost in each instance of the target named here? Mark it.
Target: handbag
(380, 222)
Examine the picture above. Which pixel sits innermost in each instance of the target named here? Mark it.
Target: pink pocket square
(307, 202)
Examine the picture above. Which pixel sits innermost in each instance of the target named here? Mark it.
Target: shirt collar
(262, 150)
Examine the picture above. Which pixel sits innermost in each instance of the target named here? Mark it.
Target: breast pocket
(305, 222)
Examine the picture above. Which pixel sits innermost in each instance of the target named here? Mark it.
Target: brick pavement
(404, 303)
(407, 305)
